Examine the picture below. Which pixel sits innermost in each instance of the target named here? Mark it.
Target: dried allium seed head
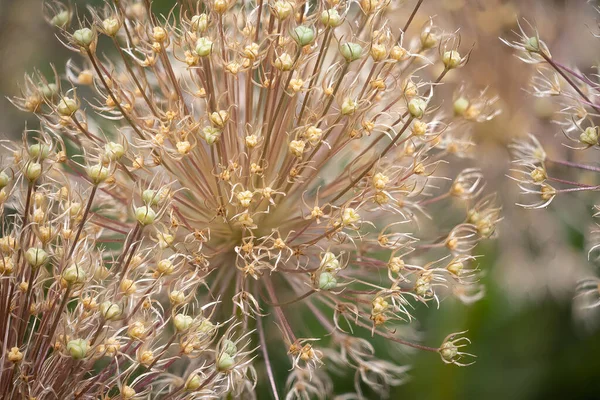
(230, 163)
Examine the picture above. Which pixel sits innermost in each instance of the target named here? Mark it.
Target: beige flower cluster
(543, 178)
(212, 189)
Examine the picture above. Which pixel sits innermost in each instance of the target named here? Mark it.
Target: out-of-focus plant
(226, 169)
(542, 178)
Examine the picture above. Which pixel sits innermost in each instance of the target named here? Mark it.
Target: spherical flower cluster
(542, 178)
(205, 187)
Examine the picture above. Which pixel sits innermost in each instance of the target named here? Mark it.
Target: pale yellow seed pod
(193, 382)
(182, 322)
(14, 355)
(452, 59)
(78, 348)
(159, 34)
(165, 267)
(127, 392)
(110, 311)
(67, 106)
(111, 26)
(378, 52)
(284, 62)
(296, 148)
(176, 297)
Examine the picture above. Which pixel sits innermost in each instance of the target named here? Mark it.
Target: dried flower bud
(397, 53)
(417, 107)
(296, 147)
(455, 267)
(303, 35)
(49, 91)
(14, 355)
(78, 348)
(282, 9)
(396, 264)
(110, 311)
(136, 330)
(145, 215)
(146, 357)
(62, 19)
(74, 274)
(251, 51)
(165, 267)
(350, 216)
(206, 326)
(533, 44)
(177, 297)
(538, 175)
(327, 281)
(39, 151)
(113, 151)
(380, 180)
(284, 62)
(461, 105)
(251, 141)
(151, 197)
(6, 266)
(245, 198)
(200, 22)
(32, 172)
(229, 347)
(182, 322)
(448, 351)
(36, 257)
(378, 52)
(97, 173)
(127, 392)
(211, 135)
(225, 362)
(67, 106)
(219, 118)
(220, 6)
(159, 34)
(111, 26)
(369, 6)
(379, 305)
(193, 382)
(329, 262)
(429, 38)
(128, 287)
(331, 18)
(419, 128)
(4, 179)
(451, 59)
(351, 51)
(590, 136)
(204, 46)
(349, 106)
(84, 37)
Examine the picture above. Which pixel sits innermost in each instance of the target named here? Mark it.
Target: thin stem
(412, 16)
(567, 182)
(569, 81)
(264, 350)
(112, 96)
(280, 315)
(575, 165)
(82, 223)
(383, 153)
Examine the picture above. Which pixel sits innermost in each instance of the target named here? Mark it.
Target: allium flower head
(542, 176)
(205, 187)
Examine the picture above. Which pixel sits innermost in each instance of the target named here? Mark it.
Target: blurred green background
(529, 341)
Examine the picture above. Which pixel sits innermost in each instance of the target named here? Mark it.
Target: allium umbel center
(209, 187)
